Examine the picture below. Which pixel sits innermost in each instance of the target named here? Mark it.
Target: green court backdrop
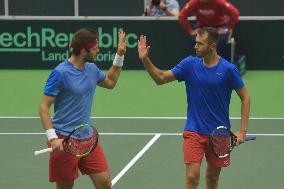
(137, 95)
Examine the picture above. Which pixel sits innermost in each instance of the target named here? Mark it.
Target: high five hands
(121, 47)
(143, 49)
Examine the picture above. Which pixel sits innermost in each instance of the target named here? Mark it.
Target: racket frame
(65, 140)
(233, 139)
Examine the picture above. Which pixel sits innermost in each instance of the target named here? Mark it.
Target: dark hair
(213, 35)
(156, 2)
(81, 37)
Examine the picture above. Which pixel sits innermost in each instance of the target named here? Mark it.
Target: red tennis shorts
(64, 167)
(196, 145)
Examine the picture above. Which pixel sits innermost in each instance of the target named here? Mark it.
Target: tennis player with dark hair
(71, 87)
(209, 81)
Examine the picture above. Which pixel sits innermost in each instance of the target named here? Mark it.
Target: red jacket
(211, 14)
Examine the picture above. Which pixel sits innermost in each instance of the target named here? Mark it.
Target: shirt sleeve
(100, 75)
(54, 84)
(231, 11)
(187, 11)
(180, 70)
(235, 78)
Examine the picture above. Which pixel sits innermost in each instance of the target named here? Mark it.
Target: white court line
(147, 134)
(129, 165)
(123, 117)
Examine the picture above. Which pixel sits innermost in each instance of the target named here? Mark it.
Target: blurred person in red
(219, 14)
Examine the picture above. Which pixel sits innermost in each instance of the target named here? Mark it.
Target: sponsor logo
(52, 45)
(206, 12)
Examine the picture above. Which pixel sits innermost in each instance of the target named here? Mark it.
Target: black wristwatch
(165, 9)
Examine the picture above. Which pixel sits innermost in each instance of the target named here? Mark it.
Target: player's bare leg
(212, 177)
(65, 185)
(101, 180)
(192, 175)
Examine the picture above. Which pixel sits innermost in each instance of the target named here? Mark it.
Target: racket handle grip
(250, 137)
(38, 152)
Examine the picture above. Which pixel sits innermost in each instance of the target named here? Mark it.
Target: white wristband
(50, 134)
(118, 60)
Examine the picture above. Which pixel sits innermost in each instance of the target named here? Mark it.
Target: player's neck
(77, 62)
(211, 59)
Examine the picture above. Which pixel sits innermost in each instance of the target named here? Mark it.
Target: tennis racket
(80, 142)
(223, 141)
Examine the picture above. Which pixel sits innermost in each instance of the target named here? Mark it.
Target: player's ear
(213, 46)
(83, 52)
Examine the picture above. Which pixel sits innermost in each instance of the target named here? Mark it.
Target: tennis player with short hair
(209, 81)
(71, 87)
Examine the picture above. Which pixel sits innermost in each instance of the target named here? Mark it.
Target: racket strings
(221, 145)
(222, 142)
(75, 146)
(78, 144)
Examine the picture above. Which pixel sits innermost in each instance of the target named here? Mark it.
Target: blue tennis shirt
(73, 90)
(208, 92)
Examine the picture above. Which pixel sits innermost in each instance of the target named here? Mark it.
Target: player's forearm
(45, 117)
(155, 73)
(113, 75)
(46, 122)
(245, 109)
(114, 71)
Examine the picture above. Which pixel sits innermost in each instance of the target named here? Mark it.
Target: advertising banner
(42, 44)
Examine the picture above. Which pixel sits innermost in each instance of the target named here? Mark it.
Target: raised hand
(143, 49)
(121, 46)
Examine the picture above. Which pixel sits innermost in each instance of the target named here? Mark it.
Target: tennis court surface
(143, 153)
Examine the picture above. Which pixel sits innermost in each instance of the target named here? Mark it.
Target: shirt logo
(205, 12)
(219, 73)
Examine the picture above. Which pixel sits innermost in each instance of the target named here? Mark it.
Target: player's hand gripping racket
(223, 141)
(80, 142)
